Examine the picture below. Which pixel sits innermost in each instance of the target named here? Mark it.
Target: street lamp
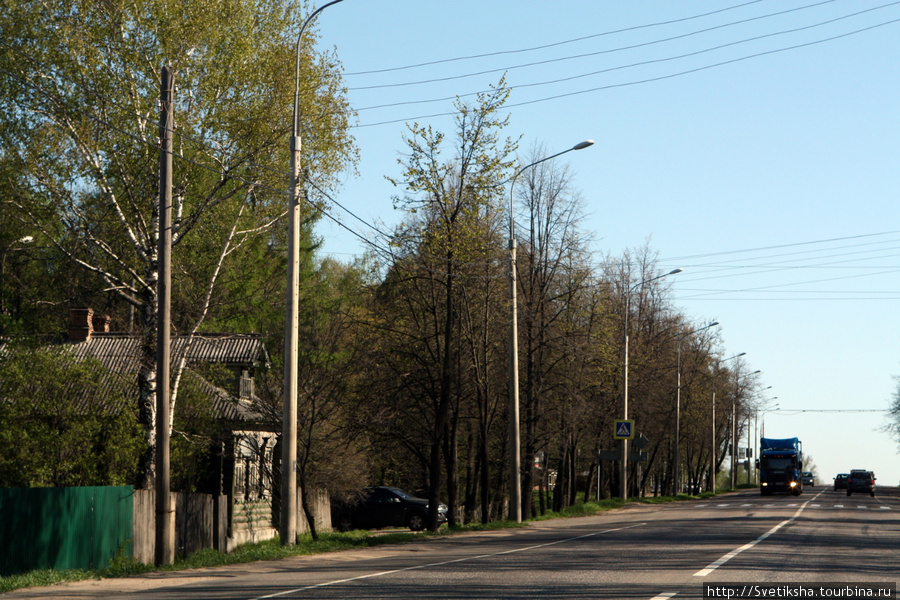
(712, 452)
(623, 462)
(756, 413)
(678, 400)
(515, 456)
(288, 524)
(751, 432)
(734, 428)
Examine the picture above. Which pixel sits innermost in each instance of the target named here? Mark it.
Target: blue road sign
(624, 429)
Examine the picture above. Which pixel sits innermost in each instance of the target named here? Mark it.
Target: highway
(642, 551)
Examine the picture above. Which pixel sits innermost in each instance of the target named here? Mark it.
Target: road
(641, 551)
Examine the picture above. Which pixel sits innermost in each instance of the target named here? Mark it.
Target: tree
(554, 278)
(451, 197)
(79, 104)
(59, 423)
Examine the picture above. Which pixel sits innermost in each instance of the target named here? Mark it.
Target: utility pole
(165, 515)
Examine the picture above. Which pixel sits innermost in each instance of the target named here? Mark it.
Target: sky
(754, 144)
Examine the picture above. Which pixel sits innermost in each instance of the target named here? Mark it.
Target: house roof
(120, 356)
(119, 351)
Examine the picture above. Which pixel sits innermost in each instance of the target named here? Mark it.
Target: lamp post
(751, 432)
(712, 452)
(678, 401)
(734, 429)
(756, 433)
(288, 523)
(515, 456)
(623, 462)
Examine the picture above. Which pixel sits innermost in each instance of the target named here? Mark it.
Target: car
(380, 506)
(808, 478)
(861, 480)
(840, 481)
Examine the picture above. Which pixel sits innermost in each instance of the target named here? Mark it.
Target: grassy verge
(327, 542)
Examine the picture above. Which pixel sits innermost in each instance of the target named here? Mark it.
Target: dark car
(840, 481)
(378, 507)
(808, 478)
(861, 481)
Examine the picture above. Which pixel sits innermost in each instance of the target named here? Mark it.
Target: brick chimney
(81, 324)
(100, 323)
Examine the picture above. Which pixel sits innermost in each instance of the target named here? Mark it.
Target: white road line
(446, 562)
(718, 563)
(665, 596)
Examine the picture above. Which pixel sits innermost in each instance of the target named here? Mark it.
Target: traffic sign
(608, 455)
(641, 442)
(623, 429)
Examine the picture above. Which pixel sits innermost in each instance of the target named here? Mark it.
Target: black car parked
(379, 507)
(861, 481)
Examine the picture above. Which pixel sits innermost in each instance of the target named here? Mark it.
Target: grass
(122, 566)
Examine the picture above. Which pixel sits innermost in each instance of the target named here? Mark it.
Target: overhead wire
(643, 63)
(713, 271)
(555, 44)
(508, 68)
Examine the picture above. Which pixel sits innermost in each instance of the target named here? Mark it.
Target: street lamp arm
(296, 119)
(512, 180)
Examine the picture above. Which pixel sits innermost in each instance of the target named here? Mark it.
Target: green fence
(64, 528)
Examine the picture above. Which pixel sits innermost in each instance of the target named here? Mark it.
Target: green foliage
(53, 429)
(79, 138)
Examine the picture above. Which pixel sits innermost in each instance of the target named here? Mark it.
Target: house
(245, 457)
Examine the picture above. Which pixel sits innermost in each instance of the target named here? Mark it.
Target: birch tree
(79, 98)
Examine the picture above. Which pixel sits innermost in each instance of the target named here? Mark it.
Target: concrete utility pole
(165, 515)
(515, 454)
(288, 525)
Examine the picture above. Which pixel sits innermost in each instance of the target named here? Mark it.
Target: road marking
(724, 559)
(665, 596)
(446, 562)
(839, 506)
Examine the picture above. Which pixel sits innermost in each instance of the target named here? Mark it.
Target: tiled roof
(123, 351)
(120, 355)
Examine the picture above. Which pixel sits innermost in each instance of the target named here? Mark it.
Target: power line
(622, 84)
(611, 50)
(555, 44)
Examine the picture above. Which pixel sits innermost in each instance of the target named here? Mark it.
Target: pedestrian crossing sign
(624, 429)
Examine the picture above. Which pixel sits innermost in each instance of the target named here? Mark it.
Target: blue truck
(780, 466)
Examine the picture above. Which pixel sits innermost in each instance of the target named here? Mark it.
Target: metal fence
(64, 528)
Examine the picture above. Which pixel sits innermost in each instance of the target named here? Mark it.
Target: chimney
(80, 324)
(100, 323)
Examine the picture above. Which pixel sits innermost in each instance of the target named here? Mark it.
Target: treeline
(404, 359)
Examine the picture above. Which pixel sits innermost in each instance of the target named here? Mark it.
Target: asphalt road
(641, 551)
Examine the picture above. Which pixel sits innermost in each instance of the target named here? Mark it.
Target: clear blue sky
(754, 144)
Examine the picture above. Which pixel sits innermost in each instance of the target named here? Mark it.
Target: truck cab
(780, 466)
